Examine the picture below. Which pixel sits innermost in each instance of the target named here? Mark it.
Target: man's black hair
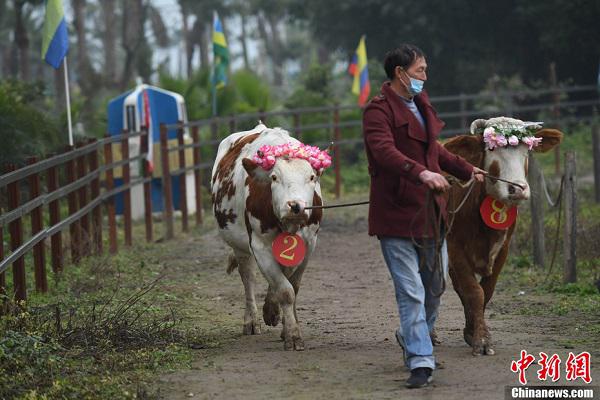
(402, 56)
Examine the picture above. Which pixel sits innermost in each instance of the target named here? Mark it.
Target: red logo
(521, 365)
(496, 214)
(577, 366)
(549, 367)
(288, 249)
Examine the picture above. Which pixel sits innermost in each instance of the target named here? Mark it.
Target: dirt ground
(348, 314)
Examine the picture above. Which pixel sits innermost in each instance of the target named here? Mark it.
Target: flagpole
(214, 94)
(68, 102)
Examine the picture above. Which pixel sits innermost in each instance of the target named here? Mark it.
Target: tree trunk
(188, 41)
(86, 78)
(272, 45)
(21, 40)
(204, 30)
(109, 42)
(133, 34)
(59, 88)
(243, 38)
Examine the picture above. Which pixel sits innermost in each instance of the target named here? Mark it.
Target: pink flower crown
(267, 155)
(496, 137)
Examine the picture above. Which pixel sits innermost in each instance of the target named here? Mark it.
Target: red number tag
(496, 214)
(288, 249)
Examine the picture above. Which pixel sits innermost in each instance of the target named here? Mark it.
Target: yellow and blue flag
(359, 69)
(55, 39)
(220, 53)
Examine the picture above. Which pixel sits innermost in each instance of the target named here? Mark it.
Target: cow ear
(469, 147)
(550, 139)
(254, 170)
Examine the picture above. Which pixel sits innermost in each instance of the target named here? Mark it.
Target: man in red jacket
(400, 129)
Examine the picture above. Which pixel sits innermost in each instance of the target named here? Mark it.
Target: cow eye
(274, 178)
(312, 177)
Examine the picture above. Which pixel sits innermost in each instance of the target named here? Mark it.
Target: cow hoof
(252, 328)
(282, 335)
(468, 337)
(271, 313)
(488, 351)
(293, 344)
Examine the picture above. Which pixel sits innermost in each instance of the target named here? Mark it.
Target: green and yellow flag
(220, 53)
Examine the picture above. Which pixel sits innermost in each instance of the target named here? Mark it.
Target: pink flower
(531, 141)
(267, 155)
(513, 140)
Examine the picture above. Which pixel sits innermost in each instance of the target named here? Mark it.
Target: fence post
(463, 110)
(297, 127)
(596, 152)
(197, 175)
(182, 181)
(126, 193)
(214, 134)
(233, 124)
(39, 254)
(110, 202)
(54, 209)
(556, 114)
(570, 236)
(2, 274)
(74, 228)
(166, 179)
(95, 193)
(145, 148)
(85, 237)
(537, 211)
(336, 150)
(262, 116)
(16, 239)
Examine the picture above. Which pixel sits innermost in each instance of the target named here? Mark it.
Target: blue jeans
(418, 294)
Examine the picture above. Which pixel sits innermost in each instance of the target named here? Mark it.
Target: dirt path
(348, 315)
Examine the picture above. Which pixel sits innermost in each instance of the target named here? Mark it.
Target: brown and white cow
(476, 252)
(252, 206)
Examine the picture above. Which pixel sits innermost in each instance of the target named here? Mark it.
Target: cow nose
(519, 190)
(294, 206)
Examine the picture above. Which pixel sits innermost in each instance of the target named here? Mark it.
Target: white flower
(513, 140)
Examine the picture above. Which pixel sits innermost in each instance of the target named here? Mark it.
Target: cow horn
(329, 148)
(478, 126)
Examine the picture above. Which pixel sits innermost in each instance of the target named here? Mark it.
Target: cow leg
(472, 297)
(468, 329)
(283, 293)
(247, 270)
(271, 310)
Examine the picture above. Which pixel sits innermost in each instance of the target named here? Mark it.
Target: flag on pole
(220, 53)
(359, 69)
(55, 39)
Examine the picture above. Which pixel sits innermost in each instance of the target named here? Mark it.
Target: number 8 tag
(496, 214)
(288, 249)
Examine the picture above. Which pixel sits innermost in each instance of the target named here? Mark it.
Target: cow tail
(232, 263)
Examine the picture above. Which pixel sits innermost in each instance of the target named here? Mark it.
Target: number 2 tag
(496, 214)
(288, 249)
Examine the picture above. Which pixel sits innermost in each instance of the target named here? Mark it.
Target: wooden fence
(84, 176)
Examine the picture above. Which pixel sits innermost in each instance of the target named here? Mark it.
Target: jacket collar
(402, 115)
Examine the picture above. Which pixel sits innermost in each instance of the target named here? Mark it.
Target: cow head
(508, 161)
(292, 184)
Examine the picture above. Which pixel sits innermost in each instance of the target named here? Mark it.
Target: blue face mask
(416, 86)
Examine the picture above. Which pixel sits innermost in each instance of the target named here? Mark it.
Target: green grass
(97, 333)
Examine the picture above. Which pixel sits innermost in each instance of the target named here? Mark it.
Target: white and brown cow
(252, 206)
(476, 252)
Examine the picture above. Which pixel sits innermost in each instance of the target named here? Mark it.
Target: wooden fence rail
(84, 176)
